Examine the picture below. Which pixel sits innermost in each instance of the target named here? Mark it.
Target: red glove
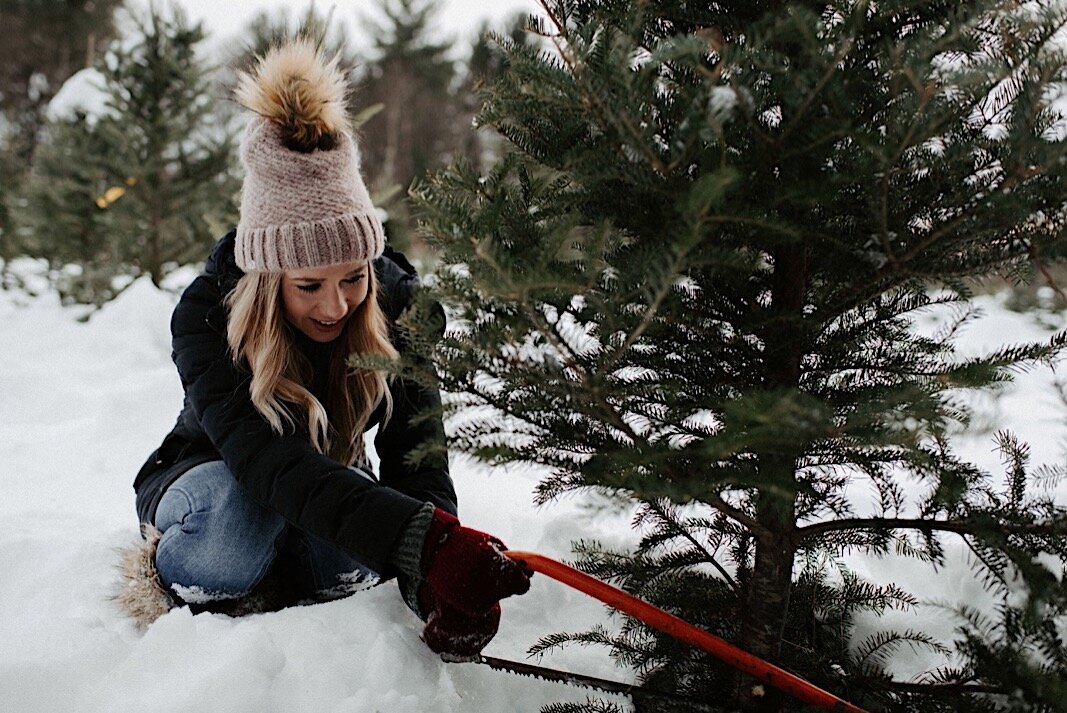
(450, 632)
(466, 569)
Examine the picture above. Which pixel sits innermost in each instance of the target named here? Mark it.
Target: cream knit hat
(303, 202)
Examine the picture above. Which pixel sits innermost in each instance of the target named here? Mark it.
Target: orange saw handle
(684, 631)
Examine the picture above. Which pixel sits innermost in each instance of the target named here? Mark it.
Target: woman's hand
(465, 576)
(466, 568)
(452, 633)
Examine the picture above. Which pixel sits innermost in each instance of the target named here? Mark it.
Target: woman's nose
(334, 305)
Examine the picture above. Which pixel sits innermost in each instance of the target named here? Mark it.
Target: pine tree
(61, 212)
(487, 62)
(420, 126)
(42, 43)
(691, 283)
(146, 186)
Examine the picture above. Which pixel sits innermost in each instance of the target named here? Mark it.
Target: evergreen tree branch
(687, 534)
(501, 403)
(780, 228)
(1042, 266)
(960, 527)
(899, 264)
(738, 515)
(549, 329)
(939, 689)
(652, 309)
(592, 98)
(887, 175)
(834, 67)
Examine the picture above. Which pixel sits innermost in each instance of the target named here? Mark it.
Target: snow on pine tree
(144, 184)
(691, 282)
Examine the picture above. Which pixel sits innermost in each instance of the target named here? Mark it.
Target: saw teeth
(614, 688)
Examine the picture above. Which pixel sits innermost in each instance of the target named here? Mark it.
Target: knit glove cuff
(407, 557)
(407, 552)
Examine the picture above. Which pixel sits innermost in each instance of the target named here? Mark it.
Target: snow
(81, 405)
(83, 402)
(722, 102)
(83, 93)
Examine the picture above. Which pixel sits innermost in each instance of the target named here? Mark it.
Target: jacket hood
(222, 265)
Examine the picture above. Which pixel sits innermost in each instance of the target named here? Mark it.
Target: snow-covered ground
(82, 404)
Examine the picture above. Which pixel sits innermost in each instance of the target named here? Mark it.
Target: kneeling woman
(261, 495)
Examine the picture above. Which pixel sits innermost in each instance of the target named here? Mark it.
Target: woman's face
(319, 300)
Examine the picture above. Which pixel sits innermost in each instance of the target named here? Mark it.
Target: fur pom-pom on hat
(297, 89)
(303, 201)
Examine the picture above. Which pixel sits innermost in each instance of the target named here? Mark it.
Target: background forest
(707, 265)
(118, 136)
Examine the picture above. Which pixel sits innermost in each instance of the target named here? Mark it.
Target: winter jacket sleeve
(283, 472)
(416, 419)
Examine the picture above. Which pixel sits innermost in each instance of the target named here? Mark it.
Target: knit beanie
(303, 201)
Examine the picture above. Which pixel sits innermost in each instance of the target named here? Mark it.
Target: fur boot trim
(143, 596)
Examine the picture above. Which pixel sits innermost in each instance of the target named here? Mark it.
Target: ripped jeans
(217, 544)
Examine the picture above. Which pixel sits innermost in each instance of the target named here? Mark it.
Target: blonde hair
(257, 332)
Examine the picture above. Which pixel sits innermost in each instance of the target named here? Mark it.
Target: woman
(261, 495)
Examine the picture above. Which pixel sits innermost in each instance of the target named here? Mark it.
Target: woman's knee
(208, 489)
(216, 542)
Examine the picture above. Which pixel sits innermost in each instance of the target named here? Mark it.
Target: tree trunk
(392, 139)
(155, 266)
(767, 604)
(771, 584)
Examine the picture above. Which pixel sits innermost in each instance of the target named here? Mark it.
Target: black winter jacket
(284, 472)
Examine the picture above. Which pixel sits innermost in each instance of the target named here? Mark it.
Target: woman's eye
(314, 287)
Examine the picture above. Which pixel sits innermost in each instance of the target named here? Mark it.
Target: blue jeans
(218, 544)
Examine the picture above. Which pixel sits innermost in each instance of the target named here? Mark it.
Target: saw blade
(637, 693)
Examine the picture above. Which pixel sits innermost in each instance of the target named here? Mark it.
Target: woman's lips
(327, 326)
